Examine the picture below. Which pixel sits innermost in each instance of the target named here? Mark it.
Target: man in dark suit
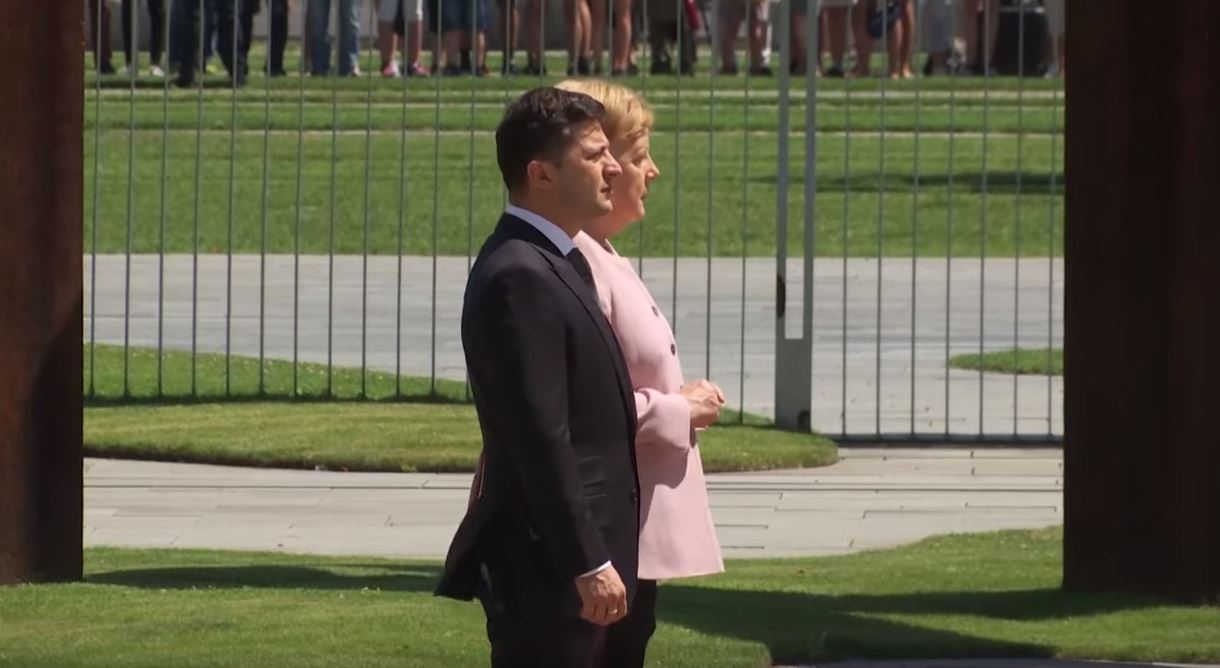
(550, 541)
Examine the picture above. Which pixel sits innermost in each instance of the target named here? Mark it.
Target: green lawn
(403, 427)
(1037, 361)
(994, 188)
(1013, 206)
(993, 595)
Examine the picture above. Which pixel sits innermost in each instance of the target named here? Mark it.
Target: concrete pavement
(882, 329)
(873, 498)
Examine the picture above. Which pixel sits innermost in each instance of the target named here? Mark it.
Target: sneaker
(417, 70)
(156, 71)
(390, 70)
(129, 70)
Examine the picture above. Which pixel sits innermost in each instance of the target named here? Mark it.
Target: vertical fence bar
(745, 233)
(161, 217)
(846, 232)
(609, 37)
(542, 69)
(296, 222)
(368, 171)
(97, 141)
(711, 161)
(234, 76)
(953, 74)
(202, 20)
(262, 253)
(881, 220)
(436, 185)
(334, 161)
(1016, 235)
(470, 169)
(813, 47)
(1050, 298)
(402, 222)
(133, 55)
(677, 178)
(983, 206)
(643, 85)
(915, 237)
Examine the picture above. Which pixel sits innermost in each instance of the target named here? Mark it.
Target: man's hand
(603, 597)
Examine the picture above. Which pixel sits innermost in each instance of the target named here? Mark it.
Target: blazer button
(673, 349)
(635, 496)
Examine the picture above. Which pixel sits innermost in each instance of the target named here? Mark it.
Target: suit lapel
(515, 227)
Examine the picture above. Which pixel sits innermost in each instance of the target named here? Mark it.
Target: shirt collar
(563, 243)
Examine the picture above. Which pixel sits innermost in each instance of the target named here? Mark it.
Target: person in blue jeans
(349, 37)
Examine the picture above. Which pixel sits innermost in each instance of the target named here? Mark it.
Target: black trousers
(231, 33)
(627, 640)
(530, 641)
(156, 15)
(279, 35)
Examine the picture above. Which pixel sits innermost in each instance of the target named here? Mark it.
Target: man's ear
(538, 172)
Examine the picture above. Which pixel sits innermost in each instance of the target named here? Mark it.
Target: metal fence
(310, 236)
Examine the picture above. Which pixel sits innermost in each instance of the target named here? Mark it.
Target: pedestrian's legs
(349, 38)
(319, 37)
(99, 12)
(191, 11)
(279, 37)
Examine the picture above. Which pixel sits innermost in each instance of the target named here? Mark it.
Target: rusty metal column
(1142, 301)
(41, 182)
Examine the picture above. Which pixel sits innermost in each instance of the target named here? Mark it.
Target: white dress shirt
(550, 230)
(565, 245)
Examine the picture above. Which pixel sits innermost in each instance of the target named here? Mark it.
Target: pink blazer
(677, 536)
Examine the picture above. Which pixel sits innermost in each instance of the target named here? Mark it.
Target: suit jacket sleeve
(525, 336)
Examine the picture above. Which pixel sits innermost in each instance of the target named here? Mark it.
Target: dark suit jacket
(558, 494)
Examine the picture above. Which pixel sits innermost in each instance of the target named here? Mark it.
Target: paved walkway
(873, 498)
(879, 349)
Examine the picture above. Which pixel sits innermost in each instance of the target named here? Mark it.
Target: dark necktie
(582, 267)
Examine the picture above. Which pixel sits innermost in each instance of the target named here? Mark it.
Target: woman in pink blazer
(677, 536)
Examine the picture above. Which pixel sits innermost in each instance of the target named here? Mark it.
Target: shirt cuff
(597, 570)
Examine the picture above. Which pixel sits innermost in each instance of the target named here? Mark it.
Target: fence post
(41, 331)
(1142, 455)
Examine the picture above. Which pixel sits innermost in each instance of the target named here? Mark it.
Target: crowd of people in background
(960, 36)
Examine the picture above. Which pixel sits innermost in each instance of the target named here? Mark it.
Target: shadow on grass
(413, 578)
(798, 627)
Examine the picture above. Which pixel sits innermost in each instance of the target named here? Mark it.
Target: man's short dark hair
(540, 124)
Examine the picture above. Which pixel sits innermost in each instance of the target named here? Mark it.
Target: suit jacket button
(673, 349)
(635, 496)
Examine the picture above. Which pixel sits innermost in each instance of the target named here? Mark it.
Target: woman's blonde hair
(627, 114)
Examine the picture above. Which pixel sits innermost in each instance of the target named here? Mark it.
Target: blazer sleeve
(524, 337)
(663, 420)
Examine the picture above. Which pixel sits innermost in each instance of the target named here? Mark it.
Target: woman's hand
(705, 401)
